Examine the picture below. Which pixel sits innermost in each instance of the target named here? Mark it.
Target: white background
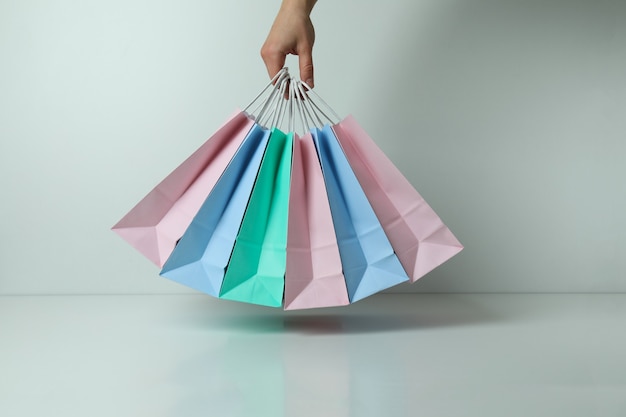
(507, 116)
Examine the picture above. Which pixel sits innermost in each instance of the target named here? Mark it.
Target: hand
(291, 33)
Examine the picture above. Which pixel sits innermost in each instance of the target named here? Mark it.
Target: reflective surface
(389, 355)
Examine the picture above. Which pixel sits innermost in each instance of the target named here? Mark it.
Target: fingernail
(310, 82)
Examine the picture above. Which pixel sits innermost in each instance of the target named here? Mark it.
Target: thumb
(306, 67)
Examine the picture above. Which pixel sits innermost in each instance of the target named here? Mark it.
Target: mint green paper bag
(256, 271)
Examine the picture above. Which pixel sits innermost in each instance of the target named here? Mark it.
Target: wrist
(298, 6)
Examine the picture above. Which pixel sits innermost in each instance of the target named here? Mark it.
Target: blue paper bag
(200, 258)
(369, 262)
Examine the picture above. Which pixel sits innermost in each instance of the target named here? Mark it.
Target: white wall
(508, 117)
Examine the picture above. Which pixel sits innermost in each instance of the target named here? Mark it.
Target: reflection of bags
(155, 224)
(421, 240)
(201, 256)
(369, 262)
(256, 272)
(314, 275)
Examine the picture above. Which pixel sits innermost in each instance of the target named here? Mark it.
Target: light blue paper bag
(369, 262)
(200, 258)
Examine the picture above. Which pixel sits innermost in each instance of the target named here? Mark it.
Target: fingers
(274, 60)
(306, 67)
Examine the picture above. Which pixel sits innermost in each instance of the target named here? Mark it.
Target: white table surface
(432, 355)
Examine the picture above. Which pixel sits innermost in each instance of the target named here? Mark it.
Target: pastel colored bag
(200, 258)
(369, 262)
(314, 274)
(421, 240)
(256, 271)
(156, 223)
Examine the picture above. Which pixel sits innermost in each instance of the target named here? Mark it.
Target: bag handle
(268, 115)
(297, 101)
(273, 82)
(336, 119)
(290, 99)
(266, 107)
(308, 108)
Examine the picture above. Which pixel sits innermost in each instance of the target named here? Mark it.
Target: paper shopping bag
(369, 262)
(419, 237)
(313, 276)
(256, 271)
(156, 223)
(200, 258)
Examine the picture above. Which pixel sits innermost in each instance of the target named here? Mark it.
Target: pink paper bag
(313, 276)
(418, 236)
(159, 220)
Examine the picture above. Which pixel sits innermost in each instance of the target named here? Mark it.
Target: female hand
(291, 33)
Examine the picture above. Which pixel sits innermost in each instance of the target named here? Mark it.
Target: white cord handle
(288, 99)
(310, 90)
(275, 80)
